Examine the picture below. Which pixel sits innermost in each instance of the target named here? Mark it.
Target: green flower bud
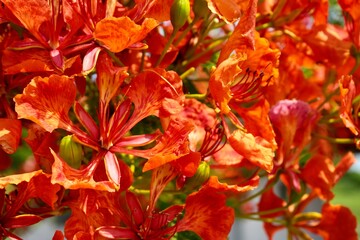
(200, 8)
(71, 152)
(179, 13)
(201, 176)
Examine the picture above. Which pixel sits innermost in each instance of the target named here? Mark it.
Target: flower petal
(198, 205)
(114, 232)
(269, 200)
(337, 222)
(10, 133)
(221, 79)
(172, 145)
(293, 121)
(22, 221)
(228, 10)
(112, 168)
(32, 185)
(347, 93)
(243, 35)
(256, 149)
(109, 78)
(214, 183)
(157, 87)
(27, 60)
(257, 120)
(18, 178)
(161, 176)
(119, 33)
(319, 174)
(46, 101)
(40, 13)
(70, 178)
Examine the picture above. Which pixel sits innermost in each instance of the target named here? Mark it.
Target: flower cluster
(155, 119)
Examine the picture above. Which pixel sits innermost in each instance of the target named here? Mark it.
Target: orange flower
(43, 46)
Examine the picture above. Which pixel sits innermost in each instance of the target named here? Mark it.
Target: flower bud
(201, 176)
(179, 13)
(71, 152)
(200, 8)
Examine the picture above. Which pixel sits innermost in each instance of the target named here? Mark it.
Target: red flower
(15, 210)
(47, 102)
(45, 41)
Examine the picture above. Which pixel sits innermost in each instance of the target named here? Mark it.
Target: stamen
(213, 141)
(159, 220)
(249, 86)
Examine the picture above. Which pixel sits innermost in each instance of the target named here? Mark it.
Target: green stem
(357, 64)
(264, 26)
(147, 191)
(187, 73)
(203, 34)
(278, 9)
(258, 193)
(173, 192)
(197, 56)
(197, 96)
(212, 40)
(334, 120)
(139, 191)
(167, 46)
(266, 212)
(328, 97)
(337, 140)
(269, 220)
(115, 58)
(188, 28)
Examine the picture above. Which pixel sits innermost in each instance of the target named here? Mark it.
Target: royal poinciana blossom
(157, 119)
